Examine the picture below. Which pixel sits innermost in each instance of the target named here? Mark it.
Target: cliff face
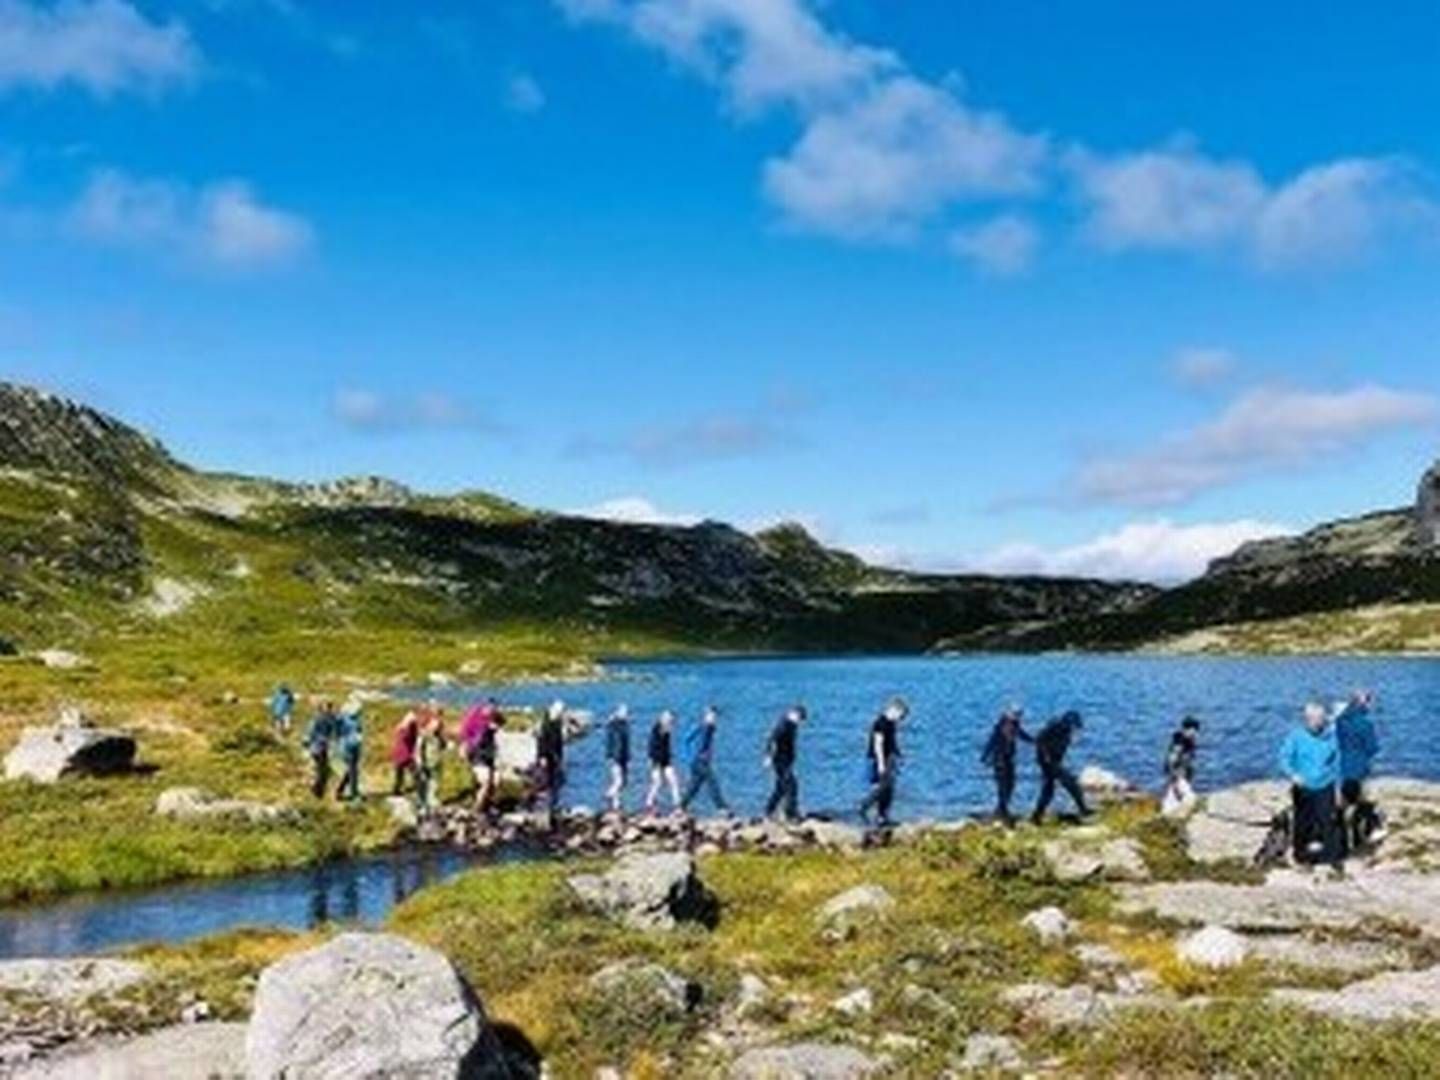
(100, 527)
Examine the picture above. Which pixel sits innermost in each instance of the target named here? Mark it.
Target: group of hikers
(1327, 759)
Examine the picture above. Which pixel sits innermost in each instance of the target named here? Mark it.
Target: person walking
(482, 754)
(1180, 757)
(429, 761)
(700, 753)
(282, 709)
(883, 753)
(402, 747)
(1310, 760)
(617, 755)
(1051, 746)
(1359, 746)
(318, 737)
(662, 763)
(780, 757)
(550, 757)
(999, 754)
(351, 739)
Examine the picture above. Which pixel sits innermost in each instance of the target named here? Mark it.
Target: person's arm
(877, 745)
(1289, 766)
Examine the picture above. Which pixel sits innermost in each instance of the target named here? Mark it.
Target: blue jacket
(349, 732)
(699, 744)
(1313, 759)
(1355, 732)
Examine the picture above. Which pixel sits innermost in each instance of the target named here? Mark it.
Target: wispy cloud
(1176, 198)
(375, 412)
(523, 94)
(1160, 551)
(1265, 430)
(224, 223)
(1203, 366)
(103, 46)
(881, 151)
(1004, 246)
(635, 510)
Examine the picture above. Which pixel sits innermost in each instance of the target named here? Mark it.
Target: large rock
(1339, 956)
(1427, 509)
(991, 1053)
(195, 804)
(649, 892)
(70, 748)
(804, 1061)
(190, 1052)
(843, 915)
(1214, 948)
(1408, 995)
(369, 1006)
(1051, 925)
(1095, 855)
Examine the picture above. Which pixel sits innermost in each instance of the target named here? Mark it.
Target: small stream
(360, 891)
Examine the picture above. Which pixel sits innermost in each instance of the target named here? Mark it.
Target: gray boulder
(195, 804)
(844, 915)
(69, 748)
(190, 1052)
(1407, 995)
(991, 1053)
(1214, 948)
(804, 1061)
(1051, 925)
(369, 1006)
(649, 892)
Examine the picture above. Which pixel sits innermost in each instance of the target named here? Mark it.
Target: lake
(1130, 705)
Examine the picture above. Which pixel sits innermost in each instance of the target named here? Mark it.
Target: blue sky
(1017, 286)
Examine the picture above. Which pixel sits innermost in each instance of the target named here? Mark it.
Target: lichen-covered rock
(649, 892)
(195, 804)
(45, 754)
(843, 915)
(71, 980)
(369, 1006)
(646, 990)
(804, 1061)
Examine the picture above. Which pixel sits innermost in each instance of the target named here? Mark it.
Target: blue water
(1130, 703)
(359, 891)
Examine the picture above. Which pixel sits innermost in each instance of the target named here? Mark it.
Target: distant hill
(102, 531)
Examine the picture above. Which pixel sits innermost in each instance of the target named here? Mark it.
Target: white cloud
(1202, 366)
(524, 95)
(1158, 551)
(1264, 430)
(223, 223)
(371, 411)
(1175, 198)
(104, 46)
(881, 151)
(636, 510)
(1003, 246)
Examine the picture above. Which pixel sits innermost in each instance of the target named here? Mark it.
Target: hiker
(617, 753)
(282, 709)
(1359, 745)
(318, 736)
(350, 735)
(662, 763)
(429, 758)
(1310, 760)
(550, 756)
(1051, 746)
(700, 758)
(479, 746)
(780, 755)
(1180, 768)
(999, 753)
(883, 752)
(402, 747)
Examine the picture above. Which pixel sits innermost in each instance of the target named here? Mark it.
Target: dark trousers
(1319, 835)
(404, 769)
(1361, 817)
(881, 797)
(350, 782)
(1004, 790)
(786, 793)
(320, 762)
(703, 778)
(1050, 776)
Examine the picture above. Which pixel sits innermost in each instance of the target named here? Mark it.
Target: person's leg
(792, 795)
(692, 788)
(712, 781)
(1047, 793)
(317, 781)
(1304, 823)
(652, 796)
(1004, 792)
(886, 799)
(777, 792)
(872, 798)
(672, 778)
(1072, 787)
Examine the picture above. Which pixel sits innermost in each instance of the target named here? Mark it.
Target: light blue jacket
(1355, 732)
(1312, 759)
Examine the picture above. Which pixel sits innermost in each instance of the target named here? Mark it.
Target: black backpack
(1275, 849)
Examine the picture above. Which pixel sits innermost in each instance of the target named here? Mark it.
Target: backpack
(1275, 849)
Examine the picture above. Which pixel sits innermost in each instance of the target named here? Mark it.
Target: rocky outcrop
(72, 980)
(369, 1006)
(844, 915)
(44, 432)
(805, 1061)
(637, 988)
(1406, 995)
(195, 804)
(1427, 509)
(649, 892)
(69, 748)
(190, 1052)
